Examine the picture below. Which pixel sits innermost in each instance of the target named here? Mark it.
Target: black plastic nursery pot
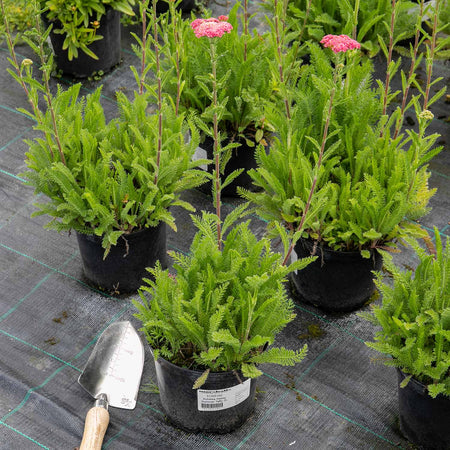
(424, 421)
(242, 157)
(107, 49)
(221, 405)
(125, 265)
(336, 281)
(185, 6)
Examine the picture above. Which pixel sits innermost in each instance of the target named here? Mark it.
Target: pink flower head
(223, 18)
(340, 43)
(197, 22)
(210, 27)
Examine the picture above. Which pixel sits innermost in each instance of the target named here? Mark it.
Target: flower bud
(426, 114)
(27, 62)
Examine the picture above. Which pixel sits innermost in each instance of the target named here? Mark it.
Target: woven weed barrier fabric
(50, 320)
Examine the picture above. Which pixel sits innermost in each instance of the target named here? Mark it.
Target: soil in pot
(336, 281)
(424, 421)
(123, 269)
(107, 49)
(242, 157)
(221, 405)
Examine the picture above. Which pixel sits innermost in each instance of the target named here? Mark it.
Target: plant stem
(158, 80)
(389, 60)
(300, 37)
(218, 184)
(430, 56)
(280, 57)
(144, 44)
(319, 163)
(399, 122)
(48, 95)
(245, 28)
(173, 15)
(46, 87)
(355, 19)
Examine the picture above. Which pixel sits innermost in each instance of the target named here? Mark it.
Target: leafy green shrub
(106, 185)
(415, 318)
(223, 306)
(369, 186)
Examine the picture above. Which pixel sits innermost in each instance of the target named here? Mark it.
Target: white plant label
(216, 400)
(294, 257)
(200, 153)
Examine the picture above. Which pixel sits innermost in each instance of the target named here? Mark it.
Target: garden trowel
(112, 376)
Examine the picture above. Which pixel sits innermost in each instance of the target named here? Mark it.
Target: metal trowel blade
(115, 366)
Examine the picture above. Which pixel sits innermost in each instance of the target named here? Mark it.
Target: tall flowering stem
(389, 58)
(22, 78)
(214, 28)
(217, 180)
(279, 42)
(300, 37)
(430, 55)
(178, 48)
(355, 19)
(245, 28)
(159, 83)
(144, 6)
(409, 80)
(337, 44)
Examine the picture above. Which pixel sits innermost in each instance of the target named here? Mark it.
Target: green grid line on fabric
(12, 175)
(12, 141)
(342, 416)
(23, 435)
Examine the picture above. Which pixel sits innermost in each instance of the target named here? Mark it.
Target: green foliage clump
(223, 306)
(338, 17)
(369, 185)
(109, 183)
(415, 318)
(78, 21)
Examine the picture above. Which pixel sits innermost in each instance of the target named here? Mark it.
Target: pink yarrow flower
(210, 27)
(340, 43)
(223, 18)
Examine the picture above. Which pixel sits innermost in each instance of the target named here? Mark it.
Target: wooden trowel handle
(97, 420)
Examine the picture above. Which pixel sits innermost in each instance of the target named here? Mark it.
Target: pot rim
(199, 372)
(322, 245)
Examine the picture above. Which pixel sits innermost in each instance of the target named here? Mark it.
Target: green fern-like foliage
(107, 185)
(369, 187)
(223, 306)
(415, 318)
(337, 17)
(243, 81)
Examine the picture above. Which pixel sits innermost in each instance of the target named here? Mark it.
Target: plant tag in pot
(218, 399)
(294, 257)
(200, 153)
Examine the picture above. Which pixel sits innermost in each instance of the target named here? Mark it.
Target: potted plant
(112, 182)
(413, 327)
(85, 34)
(244, 83)
(209, 323)
(373, 181)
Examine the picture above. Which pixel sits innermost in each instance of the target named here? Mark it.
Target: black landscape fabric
(50, 320)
